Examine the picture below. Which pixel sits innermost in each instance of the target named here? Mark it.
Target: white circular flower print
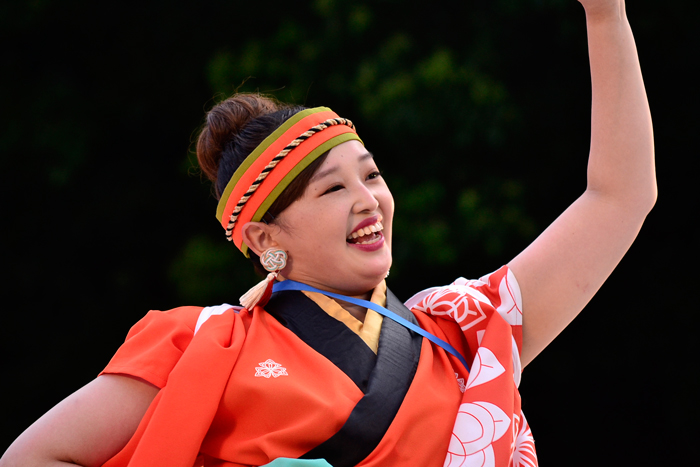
(478, 425)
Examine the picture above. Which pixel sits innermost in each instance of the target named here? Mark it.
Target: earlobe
(258, 237)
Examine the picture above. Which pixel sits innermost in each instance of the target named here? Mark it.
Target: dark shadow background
(478, 112)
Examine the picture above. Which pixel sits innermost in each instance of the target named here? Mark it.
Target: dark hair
(232, 130)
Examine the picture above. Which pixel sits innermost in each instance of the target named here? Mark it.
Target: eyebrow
(324, 173)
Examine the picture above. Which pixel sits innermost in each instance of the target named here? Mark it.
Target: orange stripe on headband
(269, 169)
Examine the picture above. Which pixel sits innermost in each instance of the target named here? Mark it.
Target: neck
(357, 311)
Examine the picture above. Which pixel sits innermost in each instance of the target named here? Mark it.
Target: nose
(365, 199)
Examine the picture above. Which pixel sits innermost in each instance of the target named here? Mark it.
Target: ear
(258, 236)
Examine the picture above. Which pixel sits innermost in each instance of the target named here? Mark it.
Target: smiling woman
(323, 365)
(348, 197)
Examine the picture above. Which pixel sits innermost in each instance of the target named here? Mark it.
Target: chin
(378, 275)
(358, 284)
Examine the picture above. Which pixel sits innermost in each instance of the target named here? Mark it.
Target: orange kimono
(239, 388)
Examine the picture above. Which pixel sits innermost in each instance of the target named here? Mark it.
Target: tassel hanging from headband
(273, 260)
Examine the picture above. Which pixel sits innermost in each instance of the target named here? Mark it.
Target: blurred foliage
(477, 113)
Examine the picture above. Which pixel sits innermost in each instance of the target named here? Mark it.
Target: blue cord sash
(294, 285)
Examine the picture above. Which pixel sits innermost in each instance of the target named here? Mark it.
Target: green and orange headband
(278, 160)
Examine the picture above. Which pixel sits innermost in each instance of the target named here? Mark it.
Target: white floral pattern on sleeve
(489, 313)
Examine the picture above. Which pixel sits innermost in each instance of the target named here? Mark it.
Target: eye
(374, 174)
(332, 189)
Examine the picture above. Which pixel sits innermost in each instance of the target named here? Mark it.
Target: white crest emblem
(270, 368)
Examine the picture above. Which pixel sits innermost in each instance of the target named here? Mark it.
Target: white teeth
(372, 240)
(374, 228)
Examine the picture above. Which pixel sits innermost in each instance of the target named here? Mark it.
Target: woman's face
(321, 231)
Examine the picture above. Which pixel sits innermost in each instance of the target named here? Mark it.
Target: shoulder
(184, 319)
(487, 311)
(155, 343)
(466, 300)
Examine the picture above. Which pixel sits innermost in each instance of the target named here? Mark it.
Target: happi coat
(243, 388)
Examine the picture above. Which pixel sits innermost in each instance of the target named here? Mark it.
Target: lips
(368, 231)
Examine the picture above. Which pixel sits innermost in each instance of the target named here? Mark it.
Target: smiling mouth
(367, 235)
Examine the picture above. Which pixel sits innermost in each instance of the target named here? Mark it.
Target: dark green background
(478, 113)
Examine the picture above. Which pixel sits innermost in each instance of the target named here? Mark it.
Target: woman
(303, 374)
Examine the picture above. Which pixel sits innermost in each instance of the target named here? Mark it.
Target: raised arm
(565, 266)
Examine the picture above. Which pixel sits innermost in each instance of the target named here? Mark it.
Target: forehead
(349, 149)
(350, 153)
(344, 156)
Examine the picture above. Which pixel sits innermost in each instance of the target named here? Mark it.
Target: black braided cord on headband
(268, 168)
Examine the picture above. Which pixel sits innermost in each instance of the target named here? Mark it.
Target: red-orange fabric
(490, 428)
(219, 406)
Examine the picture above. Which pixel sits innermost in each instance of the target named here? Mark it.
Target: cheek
(387, 203)
(322, 229)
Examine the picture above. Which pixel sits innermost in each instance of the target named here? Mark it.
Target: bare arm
(564, 267)
(87, 428)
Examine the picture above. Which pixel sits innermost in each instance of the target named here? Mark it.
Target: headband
(278, 160)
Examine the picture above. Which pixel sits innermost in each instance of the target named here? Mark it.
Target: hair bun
(224, 122)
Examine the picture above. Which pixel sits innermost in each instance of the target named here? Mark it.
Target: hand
(604, 9)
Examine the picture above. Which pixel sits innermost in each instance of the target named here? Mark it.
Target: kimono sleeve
(155, 344)
(472, 303)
